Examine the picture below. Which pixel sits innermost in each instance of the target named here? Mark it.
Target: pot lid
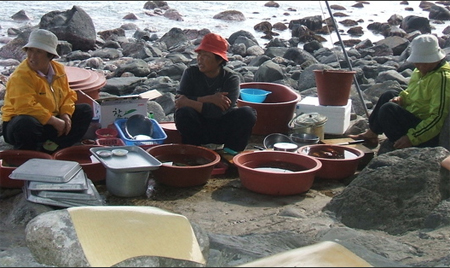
(309, 120)
(83, 79)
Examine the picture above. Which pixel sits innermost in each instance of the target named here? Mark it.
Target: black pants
(394, 121)
(233, 129)
(27, 133)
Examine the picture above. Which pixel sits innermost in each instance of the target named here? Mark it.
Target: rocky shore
(394, 212)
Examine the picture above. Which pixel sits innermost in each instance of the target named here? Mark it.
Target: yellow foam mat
(323, 254)
(111, 234)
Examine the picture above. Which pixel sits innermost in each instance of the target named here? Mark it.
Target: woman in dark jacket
(206, 109)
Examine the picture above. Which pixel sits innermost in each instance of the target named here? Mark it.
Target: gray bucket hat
(43, 39)
(425, 49)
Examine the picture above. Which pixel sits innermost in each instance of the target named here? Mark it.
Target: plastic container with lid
(309, 123)
(285, 147)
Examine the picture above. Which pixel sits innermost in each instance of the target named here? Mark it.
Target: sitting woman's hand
(67, 123)
(403, 142)
(58, 124)
(219, 99)
(397, 100)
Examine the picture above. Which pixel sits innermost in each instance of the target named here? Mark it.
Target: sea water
(107, 15)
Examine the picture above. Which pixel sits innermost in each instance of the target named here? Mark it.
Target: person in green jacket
(39, 111)
(415, 116)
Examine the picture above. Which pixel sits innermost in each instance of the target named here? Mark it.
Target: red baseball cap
(215, 44)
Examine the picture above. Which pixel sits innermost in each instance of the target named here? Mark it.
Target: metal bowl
(304, 138)
(271, 139)
(138, 125)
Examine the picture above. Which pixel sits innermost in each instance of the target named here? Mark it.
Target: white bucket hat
(425, 49)
(43, 39)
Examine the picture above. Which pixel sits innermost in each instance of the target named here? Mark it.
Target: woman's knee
(85, 109)
(387, 96)
(24, 122)
(248, 114)
(387, 110)
(185, 113)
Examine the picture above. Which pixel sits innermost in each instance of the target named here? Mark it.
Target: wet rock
(21, 16)
(272, 4)
(355, 31)
(439, 13)
(156, 4)
(130, 16)
(358, 5)
(173, 14)
(359, 205)
(269, 72)
(231, 15)
(107, 35)
(173, 38)
(9, 62)
(234, 36)
(313, 23)
(396, 43)
(395, 19)
(337, 7)
(340, 14)
(13, 31)
(412, 23)
(120, 86)
(279, 26)
(263, 26)
(74, 26)
(129, 26)
(348, 22)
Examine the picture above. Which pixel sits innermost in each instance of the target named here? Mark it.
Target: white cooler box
(338, 116)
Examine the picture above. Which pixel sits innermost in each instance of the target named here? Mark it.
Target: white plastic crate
(338, 116)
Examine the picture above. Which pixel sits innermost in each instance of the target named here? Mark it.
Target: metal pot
(308, 123)
(127, 184)
(304, 138)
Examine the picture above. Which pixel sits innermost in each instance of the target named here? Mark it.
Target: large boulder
(13, 49)
(395, 192)
(74, 26)
(47, 232)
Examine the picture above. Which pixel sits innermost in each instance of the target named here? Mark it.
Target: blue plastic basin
(254, 94)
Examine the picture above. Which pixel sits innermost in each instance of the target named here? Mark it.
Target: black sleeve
(194, 85)
(230, 83)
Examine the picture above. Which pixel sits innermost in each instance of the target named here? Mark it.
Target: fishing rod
(347, 59)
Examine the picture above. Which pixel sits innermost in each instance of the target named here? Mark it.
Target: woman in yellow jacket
(39, 111)
(415, 116)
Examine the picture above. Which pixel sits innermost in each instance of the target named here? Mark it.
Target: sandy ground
(224, 206)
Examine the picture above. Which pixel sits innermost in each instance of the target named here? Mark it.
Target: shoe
(50, 146)
(213, 146)
(369, 142)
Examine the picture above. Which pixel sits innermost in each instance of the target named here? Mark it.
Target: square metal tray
(87, 194)
(98, 201)
(48, 170)
(137, 159)
(77, 183)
